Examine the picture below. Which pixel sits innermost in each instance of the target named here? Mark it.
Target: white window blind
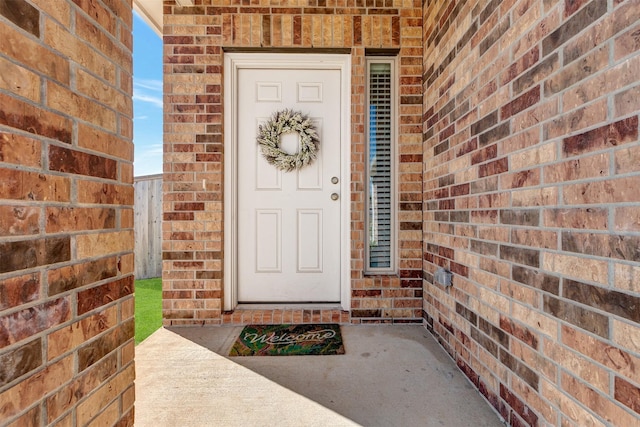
(380, 167)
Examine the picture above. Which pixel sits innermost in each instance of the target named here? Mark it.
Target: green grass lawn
(148, 307)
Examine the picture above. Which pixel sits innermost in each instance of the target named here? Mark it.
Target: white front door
(289, 223)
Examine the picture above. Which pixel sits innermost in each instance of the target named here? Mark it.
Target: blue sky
(147, 99)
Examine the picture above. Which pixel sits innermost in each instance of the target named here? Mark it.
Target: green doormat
(288, 340)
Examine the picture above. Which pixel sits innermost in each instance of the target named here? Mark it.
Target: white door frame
(233, 62)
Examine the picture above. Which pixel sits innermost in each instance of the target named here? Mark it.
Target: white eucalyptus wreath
(283, 122)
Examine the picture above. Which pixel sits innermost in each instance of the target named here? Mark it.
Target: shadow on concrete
(389, 376)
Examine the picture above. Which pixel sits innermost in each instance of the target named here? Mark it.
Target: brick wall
(193, 228)
(66, 217)
(532, 200)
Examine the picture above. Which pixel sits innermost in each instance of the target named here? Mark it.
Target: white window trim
(393, 268)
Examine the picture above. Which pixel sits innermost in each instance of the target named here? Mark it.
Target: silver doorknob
(334, 196)
(334, 180)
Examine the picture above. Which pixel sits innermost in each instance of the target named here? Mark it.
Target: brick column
(66, 217)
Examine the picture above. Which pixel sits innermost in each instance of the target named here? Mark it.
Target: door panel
(310, 241)
(288, 224)
(268, 240)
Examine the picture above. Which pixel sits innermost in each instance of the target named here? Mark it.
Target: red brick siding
(193, 226)
(66, 247)
(531, 179)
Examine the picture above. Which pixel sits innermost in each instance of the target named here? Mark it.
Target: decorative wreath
(282, 122)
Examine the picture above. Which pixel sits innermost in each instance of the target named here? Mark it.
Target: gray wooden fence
(148, 226)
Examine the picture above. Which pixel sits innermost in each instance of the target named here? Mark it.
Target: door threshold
(289, 306)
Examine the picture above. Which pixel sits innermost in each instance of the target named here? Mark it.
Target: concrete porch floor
(389, 376)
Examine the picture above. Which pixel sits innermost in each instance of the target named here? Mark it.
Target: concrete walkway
(389, 376)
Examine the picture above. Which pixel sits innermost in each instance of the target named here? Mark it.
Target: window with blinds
(380, 225)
